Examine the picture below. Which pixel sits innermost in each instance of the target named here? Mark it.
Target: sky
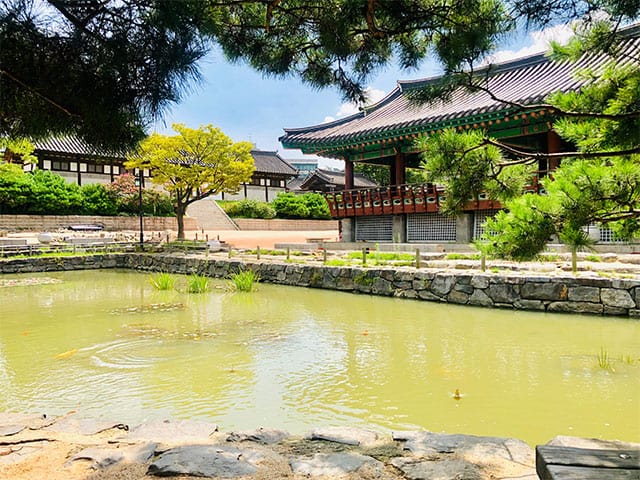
(247, 106)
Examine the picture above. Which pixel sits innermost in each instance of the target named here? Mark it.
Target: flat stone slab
(173, 432)
(591, 443)
(496, 457)
(214, 461)
(11, 454)
(424, 442)
(265, 436)
(7, 430)
(345, 435)
(334, 464)
(83, 426)
(415, 469)
(17, 422)
(106, 457)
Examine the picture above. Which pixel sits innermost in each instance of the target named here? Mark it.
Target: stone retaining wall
(45, 223)
(592, 295)
(278, 224)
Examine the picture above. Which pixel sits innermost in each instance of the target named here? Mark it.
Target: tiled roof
(272, 163)
(526, 81)
(74, 146)
(330, 177)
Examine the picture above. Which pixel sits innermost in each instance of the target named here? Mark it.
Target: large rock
(346, 435)
(334, 464)
(106, 457)
(83, 426)
(214, 461)
(420, 469)
(616, 298)
(265, 436)
(173, 432)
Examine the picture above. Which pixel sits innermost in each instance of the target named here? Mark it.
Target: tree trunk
(180, 210)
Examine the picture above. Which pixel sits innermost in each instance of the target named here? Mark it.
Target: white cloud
(328, 118)
(349, 108)
(540, 41)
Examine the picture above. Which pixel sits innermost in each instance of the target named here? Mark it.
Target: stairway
(209, 215)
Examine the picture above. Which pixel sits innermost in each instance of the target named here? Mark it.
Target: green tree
(53, 195)
(194, 164)
(102, 70)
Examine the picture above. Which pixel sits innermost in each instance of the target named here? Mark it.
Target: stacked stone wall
(589, 295)
(45, 223)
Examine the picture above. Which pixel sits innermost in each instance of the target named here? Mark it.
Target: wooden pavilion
(385, 134)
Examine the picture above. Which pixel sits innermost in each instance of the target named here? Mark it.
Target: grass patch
(462, 256)
(382, 256)
(338, 262)
(163, 281)
(245, 280)
(593, 258)
(197, 284)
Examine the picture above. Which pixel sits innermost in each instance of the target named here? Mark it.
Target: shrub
(290, 205)
(96, 200)
(248, 209)
(308, 205)
(53, 195)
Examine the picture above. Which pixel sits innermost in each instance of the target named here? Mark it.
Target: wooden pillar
(554, 145)
(399, 169)
(348, 175)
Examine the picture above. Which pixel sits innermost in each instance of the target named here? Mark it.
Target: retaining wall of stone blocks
(557, 293)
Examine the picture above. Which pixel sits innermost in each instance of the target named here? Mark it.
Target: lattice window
(607, 236)
(431, 227)
(374, 229)
(479, 218)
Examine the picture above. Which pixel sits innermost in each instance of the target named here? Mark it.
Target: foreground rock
(37, 447)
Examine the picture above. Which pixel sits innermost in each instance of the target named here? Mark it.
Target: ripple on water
(120, 354)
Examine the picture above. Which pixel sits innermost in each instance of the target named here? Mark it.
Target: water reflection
(296, 358)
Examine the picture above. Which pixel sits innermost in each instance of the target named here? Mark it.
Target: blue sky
(248, 106)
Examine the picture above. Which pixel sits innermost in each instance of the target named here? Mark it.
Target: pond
(108, 345)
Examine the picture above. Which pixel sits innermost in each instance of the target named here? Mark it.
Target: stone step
(210, 216)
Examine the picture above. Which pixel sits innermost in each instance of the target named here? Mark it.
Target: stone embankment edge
(558, 293)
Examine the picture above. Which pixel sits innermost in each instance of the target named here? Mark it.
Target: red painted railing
(398, 199)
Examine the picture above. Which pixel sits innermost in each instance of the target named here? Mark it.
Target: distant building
(78, 162)
(331, 180)
(271, 176)
(304, 167)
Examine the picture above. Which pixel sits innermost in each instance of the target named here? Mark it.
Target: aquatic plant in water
(163, 281)
(604, 361)
(245, 280)
(197, 284)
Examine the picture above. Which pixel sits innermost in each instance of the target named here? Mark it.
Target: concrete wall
(595, 295)
(44, 223)
(285, 225)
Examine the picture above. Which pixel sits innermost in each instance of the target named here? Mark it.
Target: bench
(569, 463)
(85, 228)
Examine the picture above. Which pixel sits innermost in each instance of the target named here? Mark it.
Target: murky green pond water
(110, 346)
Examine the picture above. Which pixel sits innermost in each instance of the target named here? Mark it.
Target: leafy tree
(194, 164)
(100, 69)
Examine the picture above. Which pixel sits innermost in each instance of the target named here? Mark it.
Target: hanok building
(385, 134)
(80, 163)
(270, 177)
(322, 180)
